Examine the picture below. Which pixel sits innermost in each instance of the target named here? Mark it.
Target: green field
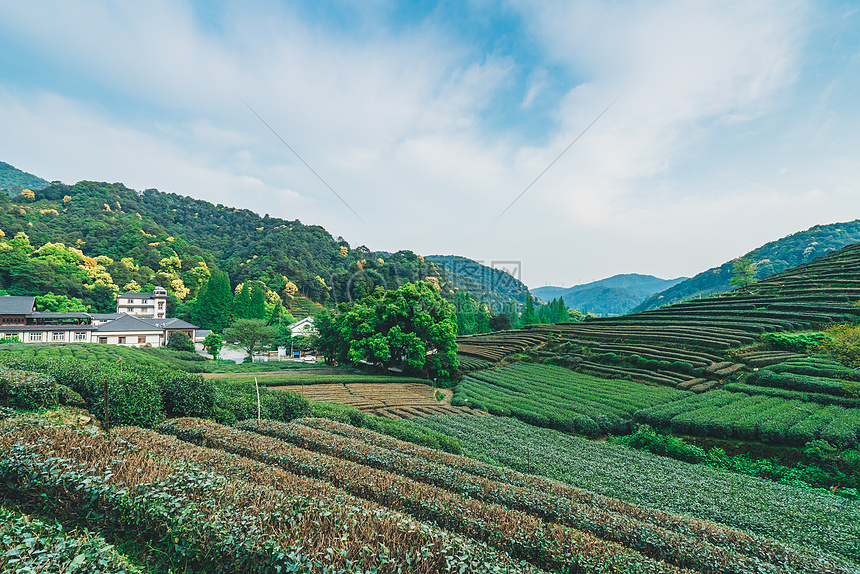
(723, 414)
(797, 516)
(555, 397)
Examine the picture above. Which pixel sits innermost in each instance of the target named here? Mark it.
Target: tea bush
(138, 395)
(27, 390)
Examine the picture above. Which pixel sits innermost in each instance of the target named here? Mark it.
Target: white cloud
(396, 122)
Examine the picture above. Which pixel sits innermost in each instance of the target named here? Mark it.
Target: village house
(20, 319)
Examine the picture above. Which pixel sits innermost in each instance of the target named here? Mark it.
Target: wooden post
(106, 421)
(258, 398)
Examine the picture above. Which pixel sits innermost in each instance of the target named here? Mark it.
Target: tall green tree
(529, 316)
(411, 327)
(257, 308)
(745, 271)
(213, 303)
(242, 303)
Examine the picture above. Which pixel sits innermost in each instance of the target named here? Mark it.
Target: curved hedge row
(140, 396)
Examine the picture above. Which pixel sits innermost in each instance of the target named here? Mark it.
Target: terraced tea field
(685, 340)
(390, 400)
(802, 517)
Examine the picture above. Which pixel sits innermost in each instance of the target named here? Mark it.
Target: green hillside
(13, 180)
(714, 344)
(770, 258)
(147, 230)
(497, 287)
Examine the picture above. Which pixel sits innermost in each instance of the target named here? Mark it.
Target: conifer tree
(212, 306)
(529, 315)
(242, 303)
(257, 308)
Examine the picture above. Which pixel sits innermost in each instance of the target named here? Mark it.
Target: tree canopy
(250, 334)
(411, 327)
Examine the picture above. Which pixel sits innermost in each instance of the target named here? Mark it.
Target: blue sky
(738, 122)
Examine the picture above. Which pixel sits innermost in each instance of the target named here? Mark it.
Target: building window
(79, 336)
(160, 305)
(58, 336)
(34, 336)
(122, 340)
(11, 335)
(103, 340)
(141, 339)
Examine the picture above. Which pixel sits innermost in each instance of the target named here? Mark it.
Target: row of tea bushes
(236, 515)
(724, 414)
(29, 545)
(654, 536)
(524, 536)
(138, 395)
(817, 522)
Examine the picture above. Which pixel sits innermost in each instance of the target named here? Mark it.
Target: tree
(411, 327)
(250, 333)
(745, 270)
(242, 303)
(529, 316)
(500, 323)
(212, 307)
(180, 341)
(257, 308)
(212, 343)
(51, 303)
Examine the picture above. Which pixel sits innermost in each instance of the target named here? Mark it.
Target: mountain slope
(149, 227)
(611, 296)
(771, 258)
(14, 180)
(495, 286)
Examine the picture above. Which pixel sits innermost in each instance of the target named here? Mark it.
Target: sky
(705, 129)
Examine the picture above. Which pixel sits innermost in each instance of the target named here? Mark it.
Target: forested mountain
(611, 296)
(113, 221)
(493, 284)
(91, 240)
(770, 258)
(13, 180)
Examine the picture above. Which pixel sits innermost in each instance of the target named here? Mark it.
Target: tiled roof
(130, 323)
(137, 295)
(12, 305)
(127, 323)
(169, 323)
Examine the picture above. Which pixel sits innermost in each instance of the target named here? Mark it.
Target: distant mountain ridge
(13, 180)
(771, 258)
(614, 295)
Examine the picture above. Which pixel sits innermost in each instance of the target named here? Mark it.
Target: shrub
(293, 406)
(69, 397)
(183, 394)
(794, 342)
(337, 412)
(134, 399)
(819, 449)
(843, 344)
(27, 390)
(180, 341)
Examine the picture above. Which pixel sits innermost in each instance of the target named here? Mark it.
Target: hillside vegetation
(13, 181)
(701, 345)
(770, 258)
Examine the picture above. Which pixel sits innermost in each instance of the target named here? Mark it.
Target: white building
(148, 305)
(20, 320)
(303, 328)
